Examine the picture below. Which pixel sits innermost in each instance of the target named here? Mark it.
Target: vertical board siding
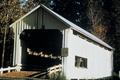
(99, 59)
(14, 50)
(32, 21)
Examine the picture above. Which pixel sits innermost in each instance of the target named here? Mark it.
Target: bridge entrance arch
(41, 48)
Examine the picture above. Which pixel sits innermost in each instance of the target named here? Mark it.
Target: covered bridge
(43, 38)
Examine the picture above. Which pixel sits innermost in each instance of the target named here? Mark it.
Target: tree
(116, 22)
(30, 4)
(75, 11)
(10, 10)
(96, 17)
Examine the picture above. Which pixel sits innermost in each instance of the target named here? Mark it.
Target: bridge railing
(54, 69)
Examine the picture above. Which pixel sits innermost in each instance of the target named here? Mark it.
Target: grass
(59, 76)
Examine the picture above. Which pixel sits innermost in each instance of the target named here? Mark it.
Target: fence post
(1, 72)
(8, 69)
(18, 68)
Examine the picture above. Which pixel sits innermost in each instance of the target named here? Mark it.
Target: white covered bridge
(83, 56)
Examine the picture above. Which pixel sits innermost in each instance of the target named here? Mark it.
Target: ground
(21, 74)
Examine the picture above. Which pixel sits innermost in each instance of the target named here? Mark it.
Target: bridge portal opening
(41, 48)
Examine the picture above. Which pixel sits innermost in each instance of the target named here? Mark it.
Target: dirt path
(19, 74)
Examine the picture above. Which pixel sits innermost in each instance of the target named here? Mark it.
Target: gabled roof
(69, 24)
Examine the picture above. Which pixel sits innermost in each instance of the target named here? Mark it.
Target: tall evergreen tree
(74, 11)
(116, 22)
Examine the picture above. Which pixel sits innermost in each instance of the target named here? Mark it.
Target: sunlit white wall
(99, 59)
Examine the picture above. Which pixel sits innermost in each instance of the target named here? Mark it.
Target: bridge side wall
(99, 59)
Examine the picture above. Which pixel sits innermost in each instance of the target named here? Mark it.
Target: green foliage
(60, 76)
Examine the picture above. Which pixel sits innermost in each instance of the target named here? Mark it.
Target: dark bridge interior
(41, 48)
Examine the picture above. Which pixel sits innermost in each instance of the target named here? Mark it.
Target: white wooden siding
(99, 59)
(32, 21)
(29, 22)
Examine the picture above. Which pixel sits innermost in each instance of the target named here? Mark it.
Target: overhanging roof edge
(69, 24)
(78, 29)
(25, 15)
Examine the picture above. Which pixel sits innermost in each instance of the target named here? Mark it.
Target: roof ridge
(79, 29)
